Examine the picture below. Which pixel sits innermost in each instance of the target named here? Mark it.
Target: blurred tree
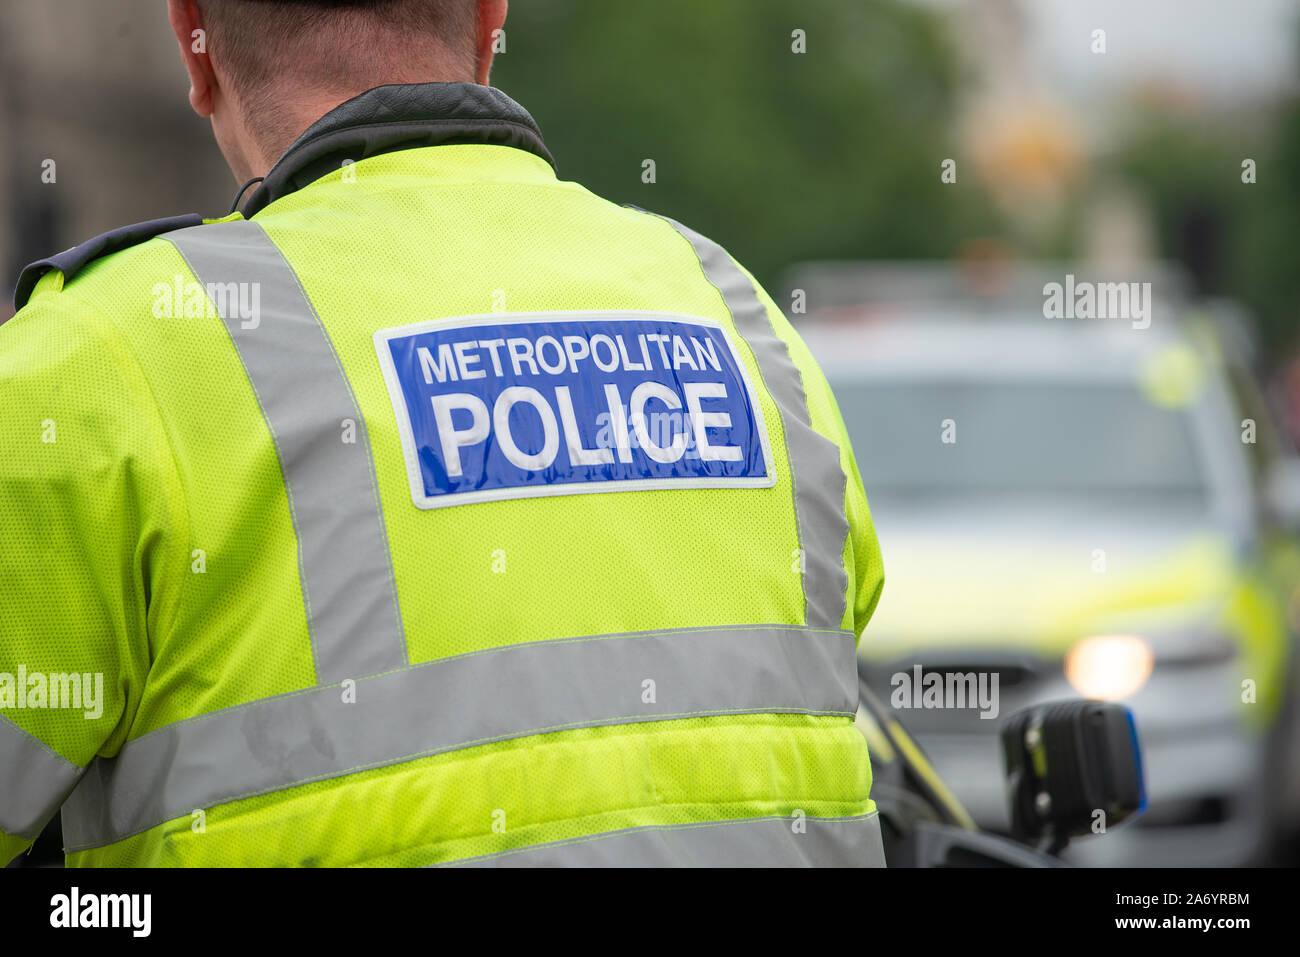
(1235, 238)
(780, 156)
(1263, 272)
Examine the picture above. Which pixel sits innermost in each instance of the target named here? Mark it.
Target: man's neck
(298, 110)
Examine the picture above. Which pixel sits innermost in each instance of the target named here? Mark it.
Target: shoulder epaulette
(72, 261)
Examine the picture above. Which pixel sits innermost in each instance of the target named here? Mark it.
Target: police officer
(430, 510)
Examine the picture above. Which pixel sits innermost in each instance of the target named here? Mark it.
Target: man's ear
(491, 18)
(187, 24)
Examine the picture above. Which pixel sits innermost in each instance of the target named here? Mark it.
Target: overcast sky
(1221, 49)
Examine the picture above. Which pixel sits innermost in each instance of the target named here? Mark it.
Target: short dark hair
(341, 42)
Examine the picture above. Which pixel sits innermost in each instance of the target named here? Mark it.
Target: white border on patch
(416, 478)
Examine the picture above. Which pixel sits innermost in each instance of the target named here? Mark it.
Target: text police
(494, 407)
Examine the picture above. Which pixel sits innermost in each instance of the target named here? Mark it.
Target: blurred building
(95, 128)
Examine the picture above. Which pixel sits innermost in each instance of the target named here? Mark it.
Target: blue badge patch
(508, 406)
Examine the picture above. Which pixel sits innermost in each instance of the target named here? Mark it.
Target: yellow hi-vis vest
(437, 512)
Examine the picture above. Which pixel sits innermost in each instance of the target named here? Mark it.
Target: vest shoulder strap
(72, 261)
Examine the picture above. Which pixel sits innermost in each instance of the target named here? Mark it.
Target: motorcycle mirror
(1071, 766)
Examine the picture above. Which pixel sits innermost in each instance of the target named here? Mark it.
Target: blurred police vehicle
(1097, 507)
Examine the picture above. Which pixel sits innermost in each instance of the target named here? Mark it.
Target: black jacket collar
(399, 117)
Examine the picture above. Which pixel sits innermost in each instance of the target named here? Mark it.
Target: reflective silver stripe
(751, 842)
(344, 564)
(819, 481)
(457, 703)
(34, 781)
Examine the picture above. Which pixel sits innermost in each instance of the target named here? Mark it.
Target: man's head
(265, 70)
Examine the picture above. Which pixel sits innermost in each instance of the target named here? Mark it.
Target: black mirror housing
(1069, 762)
